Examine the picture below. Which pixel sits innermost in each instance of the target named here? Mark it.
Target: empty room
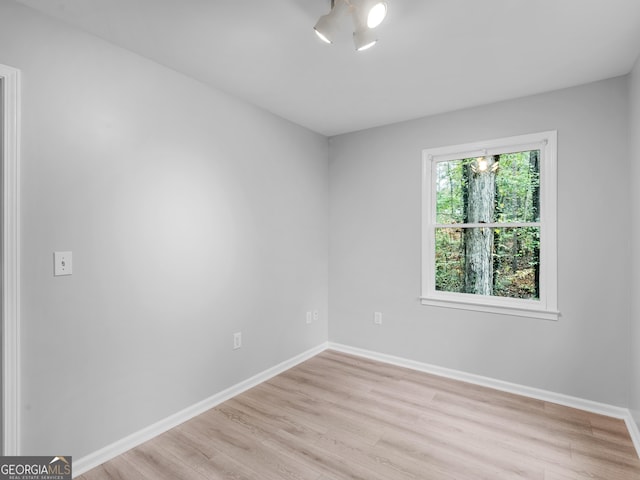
(320, 240)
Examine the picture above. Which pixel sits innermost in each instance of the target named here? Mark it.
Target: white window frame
(547, 306)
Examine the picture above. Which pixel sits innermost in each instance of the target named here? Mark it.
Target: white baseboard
(545, 395)
(94, 459)
(632, 426)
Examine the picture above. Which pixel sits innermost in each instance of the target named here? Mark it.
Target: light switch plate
(62, 263)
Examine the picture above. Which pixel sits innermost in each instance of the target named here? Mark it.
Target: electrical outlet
(316, 315)
(309, 317)
(377, 318)
(237, 340)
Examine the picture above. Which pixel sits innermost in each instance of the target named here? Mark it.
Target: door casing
(10, 258)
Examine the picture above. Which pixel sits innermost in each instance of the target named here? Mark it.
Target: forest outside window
(489, 226)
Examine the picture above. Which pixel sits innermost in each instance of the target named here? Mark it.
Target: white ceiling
(433, 55)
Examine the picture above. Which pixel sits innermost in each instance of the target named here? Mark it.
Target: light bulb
(376, 14)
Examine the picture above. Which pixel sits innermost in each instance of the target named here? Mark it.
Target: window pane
(518, 187)
(449, 191)
(516, 262)
(501, 262)
(449, 260)
(493, 189)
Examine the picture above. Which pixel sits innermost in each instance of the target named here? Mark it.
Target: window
(489, 226)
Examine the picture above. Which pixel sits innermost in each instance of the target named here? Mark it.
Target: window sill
(499, 309)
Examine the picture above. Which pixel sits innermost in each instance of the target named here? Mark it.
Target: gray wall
(375, 184)
(190, 214)
(634, 137)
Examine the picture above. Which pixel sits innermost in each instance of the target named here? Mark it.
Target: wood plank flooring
(337, 416)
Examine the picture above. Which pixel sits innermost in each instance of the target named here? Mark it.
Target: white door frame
(10, 260)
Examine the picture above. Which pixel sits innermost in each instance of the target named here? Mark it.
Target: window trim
(547, 306)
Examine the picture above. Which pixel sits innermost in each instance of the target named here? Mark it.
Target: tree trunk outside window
(479, 203)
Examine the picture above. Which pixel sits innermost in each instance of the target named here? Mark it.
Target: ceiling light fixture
(366, 15)
(363, 37)
(326, 25)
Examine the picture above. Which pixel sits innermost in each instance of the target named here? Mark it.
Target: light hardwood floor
(337, 416)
